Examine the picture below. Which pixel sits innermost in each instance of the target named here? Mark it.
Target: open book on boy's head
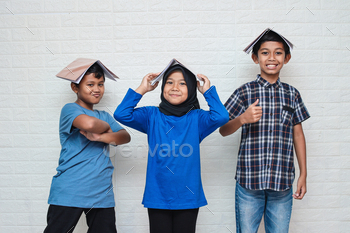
(76, 70)
(171, 63)
(267, 30)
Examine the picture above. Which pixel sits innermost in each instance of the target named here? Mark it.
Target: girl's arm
(209, 121)
(127, 113)
(146, 84)
(206, 83)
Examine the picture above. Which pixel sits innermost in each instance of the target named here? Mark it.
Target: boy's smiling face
(271, 58)
(89, 91)
(175, 89)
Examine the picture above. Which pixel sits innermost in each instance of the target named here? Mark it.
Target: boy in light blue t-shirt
(83, 182)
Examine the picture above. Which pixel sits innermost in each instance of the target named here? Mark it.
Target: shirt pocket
(286, 115)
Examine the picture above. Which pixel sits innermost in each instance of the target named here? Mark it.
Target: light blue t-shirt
(84, 173)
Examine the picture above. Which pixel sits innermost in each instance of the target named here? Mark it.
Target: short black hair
(271, 36)
(94, 69)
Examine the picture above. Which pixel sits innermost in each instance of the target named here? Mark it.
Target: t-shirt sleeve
(68, 113)
(235, 105)
(115, 126)
(300, 113)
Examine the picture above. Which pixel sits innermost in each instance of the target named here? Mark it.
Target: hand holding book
(146, 84)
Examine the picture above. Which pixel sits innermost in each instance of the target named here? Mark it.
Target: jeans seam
(238, 230)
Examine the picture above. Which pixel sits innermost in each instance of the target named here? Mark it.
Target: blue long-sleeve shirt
(173, 179)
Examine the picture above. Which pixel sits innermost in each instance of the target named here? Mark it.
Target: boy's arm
(110, 137)
(251, 115)
(300, 150)
(231, 126)
(90, 124)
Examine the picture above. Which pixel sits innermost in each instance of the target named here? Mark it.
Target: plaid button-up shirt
(265, 159)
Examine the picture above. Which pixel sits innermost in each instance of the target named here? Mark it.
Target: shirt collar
(266, 84)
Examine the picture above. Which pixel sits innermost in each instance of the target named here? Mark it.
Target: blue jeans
(251, 205)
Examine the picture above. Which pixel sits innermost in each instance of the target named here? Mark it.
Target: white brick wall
(38, 38)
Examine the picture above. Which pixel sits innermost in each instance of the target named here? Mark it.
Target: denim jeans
(251, 205)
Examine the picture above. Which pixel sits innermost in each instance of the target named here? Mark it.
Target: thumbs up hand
(252, 114)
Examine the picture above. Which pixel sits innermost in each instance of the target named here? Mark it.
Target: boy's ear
(255, 58)
(74, 88)
(287, 58)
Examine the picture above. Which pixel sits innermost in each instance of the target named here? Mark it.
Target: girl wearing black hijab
(173, 192)
(190, 103)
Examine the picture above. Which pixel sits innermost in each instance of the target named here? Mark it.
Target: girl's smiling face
(175, 89)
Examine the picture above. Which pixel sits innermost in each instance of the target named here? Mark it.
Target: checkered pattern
(265, 159)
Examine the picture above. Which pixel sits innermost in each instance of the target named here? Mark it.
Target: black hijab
(190, 103)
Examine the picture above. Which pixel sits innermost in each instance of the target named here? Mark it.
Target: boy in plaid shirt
(270, 113)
